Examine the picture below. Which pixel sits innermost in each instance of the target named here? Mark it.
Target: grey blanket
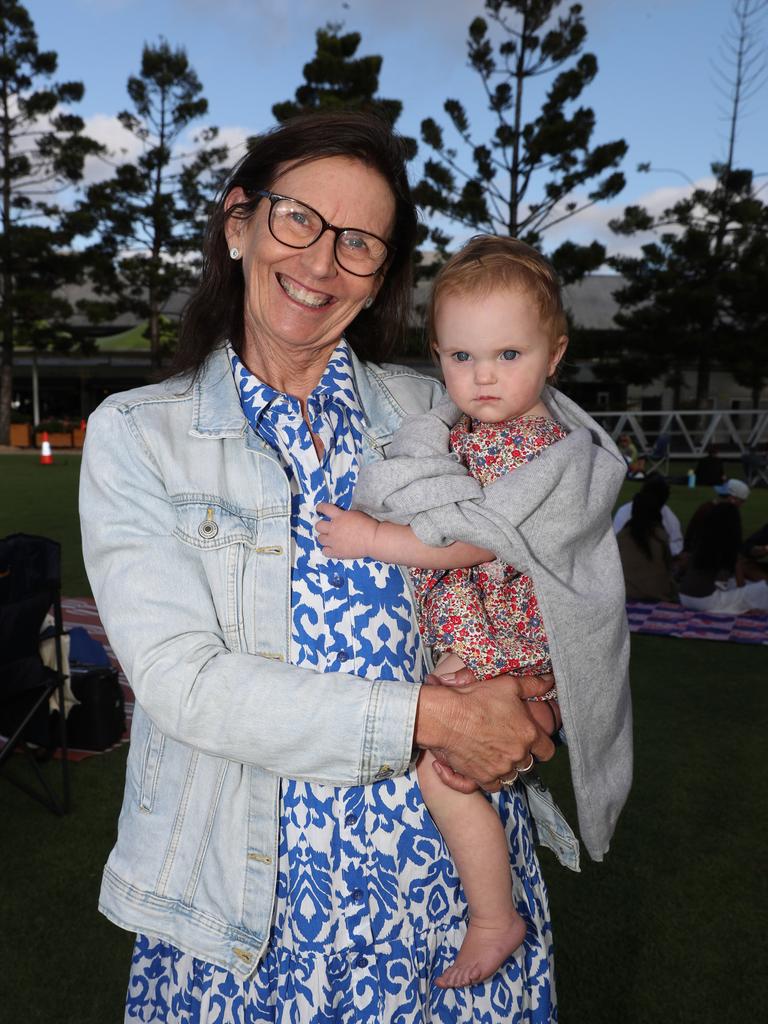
(551, 519)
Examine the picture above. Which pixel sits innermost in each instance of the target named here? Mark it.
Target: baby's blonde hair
(489, 262)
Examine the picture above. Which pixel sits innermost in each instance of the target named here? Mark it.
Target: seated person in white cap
(713, 580)
(732, 492)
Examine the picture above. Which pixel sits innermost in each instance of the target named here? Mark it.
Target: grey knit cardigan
(551, 519)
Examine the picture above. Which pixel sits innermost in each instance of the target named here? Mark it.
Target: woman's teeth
(299, 294)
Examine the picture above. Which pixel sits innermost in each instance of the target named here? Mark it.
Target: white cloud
(122, 146)
(592, 224)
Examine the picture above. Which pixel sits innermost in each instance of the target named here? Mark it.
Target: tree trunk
(154, 336)
(702, 379)
(6, 395)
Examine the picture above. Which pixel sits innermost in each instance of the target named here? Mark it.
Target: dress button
(337, 580)
(357, 896)
(362, 961)
(350, 819)
(343, 655)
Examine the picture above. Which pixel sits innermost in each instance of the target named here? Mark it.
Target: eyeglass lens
(297, 225)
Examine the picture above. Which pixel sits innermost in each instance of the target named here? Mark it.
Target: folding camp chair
(30, 582)
(658, 455)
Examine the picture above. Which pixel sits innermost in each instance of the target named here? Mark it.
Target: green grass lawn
(653, 935)
(43, 499)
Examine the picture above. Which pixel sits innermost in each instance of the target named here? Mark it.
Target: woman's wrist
(437, 708)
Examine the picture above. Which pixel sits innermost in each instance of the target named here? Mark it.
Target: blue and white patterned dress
(369, 908)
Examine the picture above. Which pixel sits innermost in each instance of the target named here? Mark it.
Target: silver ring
(528, 767)
(509, 782)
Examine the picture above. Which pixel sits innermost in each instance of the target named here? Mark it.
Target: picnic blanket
(665, 619)
(644, 617)
(81, 611)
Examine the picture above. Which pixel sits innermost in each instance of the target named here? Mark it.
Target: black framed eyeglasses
(298, 226)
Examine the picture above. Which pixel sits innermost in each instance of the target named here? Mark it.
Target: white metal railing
(738, 433)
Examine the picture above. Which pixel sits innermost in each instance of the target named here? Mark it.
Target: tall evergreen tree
(43, 151)
(336, 79)
(535, 171)
(687, 294)
(150, 215)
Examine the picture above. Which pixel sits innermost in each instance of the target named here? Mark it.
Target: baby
(497, 327)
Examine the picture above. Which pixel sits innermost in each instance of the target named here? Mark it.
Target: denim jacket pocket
(150, 767)
(209, 524)
(221, 536)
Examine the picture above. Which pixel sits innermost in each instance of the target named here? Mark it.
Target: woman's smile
(304, 296)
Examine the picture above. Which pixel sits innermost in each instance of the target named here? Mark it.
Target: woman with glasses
(274, 855)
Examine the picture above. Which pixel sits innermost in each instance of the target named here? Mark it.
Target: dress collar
(337, 384)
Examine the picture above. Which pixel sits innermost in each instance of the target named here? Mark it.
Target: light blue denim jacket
(185, 517)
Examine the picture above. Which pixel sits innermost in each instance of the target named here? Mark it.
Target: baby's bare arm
(351, 534)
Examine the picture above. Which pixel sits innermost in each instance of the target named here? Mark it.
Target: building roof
(589, 303)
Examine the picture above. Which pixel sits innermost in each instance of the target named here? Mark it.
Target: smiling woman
(274, 854)
(298, 300)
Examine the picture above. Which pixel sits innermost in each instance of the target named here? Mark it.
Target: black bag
(98, 721)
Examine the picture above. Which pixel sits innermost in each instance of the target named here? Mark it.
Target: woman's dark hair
(718, 539)
(646, 516)
(215, 310)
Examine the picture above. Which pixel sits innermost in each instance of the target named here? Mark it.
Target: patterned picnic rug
(644, 617)
(673, 620)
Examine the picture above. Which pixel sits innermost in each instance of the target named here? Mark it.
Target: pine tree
(150, 215)
(43, 152)
(335, 79)
(535, 171)
(686, 298)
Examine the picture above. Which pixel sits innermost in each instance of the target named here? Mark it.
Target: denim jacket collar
(217, 413)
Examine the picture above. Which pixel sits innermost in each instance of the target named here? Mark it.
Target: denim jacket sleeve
(167, 623)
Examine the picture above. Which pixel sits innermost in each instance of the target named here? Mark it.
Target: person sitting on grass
(714, 580)
(644, 548)
(655, 484)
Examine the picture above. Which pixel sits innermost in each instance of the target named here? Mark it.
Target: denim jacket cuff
(388, 740)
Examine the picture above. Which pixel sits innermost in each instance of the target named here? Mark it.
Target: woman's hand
(484, 730)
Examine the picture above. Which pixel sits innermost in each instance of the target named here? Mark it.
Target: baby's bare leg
(475, 836)
(449, 662)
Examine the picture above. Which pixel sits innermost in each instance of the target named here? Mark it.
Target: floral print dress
(368, 907)
(488, 615)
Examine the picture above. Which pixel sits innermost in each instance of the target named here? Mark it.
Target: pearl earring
(234, 253)
(368, 302)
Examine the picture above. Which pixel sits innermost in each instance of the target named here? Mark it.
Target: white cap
(734, 489)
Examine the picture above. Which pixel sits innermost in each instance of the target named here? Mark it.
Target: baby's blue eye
(509, 354)
(461, 357)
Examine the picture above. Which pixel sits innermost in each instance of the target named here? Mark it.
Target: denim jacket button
(385, 772)
(207, 529)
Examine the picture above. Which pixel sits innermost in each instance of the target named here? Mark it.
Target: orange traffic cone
(46, 456)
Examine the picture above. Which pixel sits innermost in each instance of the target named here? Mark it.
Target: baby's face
(495, 353)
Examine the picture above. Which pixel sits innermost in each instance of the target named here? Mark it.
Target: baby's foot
(484, 950)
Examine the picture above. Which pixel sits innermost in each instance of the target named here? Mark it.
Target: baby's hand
(345, 534)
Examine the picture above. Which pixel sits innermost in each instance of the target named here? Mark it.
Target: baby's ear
(557, 353)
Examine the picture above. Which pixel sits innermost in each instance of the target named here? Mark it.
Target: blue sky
(657, 84)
